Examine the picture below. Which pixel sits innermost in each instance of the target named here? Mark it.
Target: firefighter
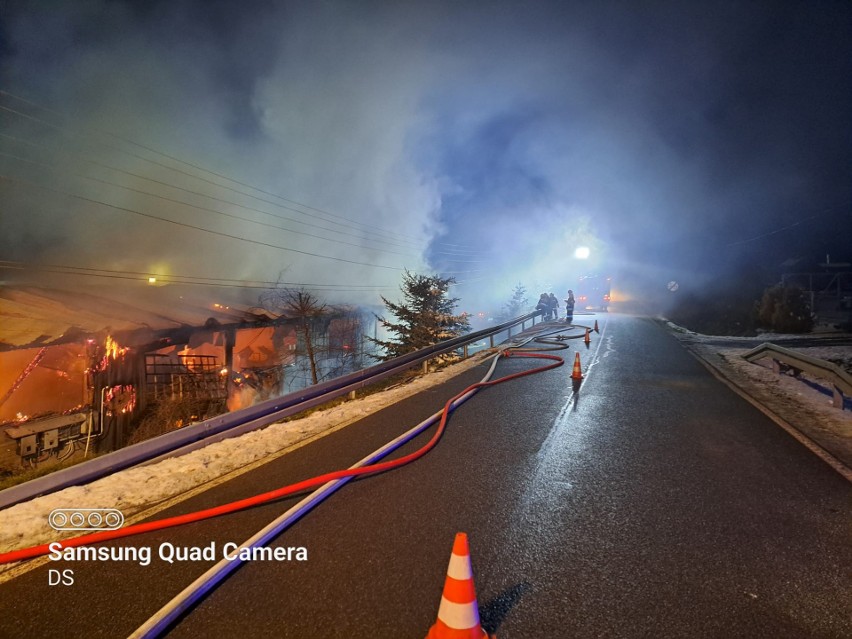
(543, 306)
(554, 306)
(569, 307)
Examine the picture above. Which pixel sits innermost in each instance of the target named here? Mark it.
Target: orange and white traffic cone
(596, 327)
(577, 373)
(588, 337)
(458, 614)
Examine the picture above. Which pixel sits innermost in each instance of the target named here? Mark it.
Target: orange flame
(112, 351)
(120, 399)
(112, 348)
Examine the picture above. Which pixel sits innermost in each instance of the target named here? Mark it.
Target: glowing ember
(121, 399)
(112, 351)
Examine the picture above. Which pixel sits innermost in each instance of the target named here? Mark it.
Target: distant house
(829, 287)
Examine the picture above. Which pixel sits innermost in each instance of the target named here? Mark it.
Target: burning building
(89, 393)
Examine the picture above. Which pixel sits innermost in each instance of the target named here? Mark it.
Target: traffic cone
(596, 327)
(577, 373)
(458, 614)
(588, 337)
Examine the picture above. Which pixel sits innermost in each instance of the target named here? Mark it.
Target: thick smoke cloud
(677, 141)
(290, 102)
(681, 140)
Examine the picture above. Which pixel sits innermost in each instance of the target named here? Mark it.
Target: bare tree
(345, 341)
(305, 307)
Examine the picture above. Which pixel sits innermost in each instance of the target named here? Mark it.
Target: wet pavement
(653, 502)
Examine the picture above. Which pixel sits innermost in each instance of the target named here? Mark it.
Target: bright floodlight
(582, 252)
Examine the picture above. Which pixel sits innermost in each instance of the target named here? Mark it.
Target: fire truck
(593, 293)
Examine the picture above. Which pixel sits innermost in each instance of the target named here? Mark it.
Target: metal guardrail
(841, 380)
(189, 438)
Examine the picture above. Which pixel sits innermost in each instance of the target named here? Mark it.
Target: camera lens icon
(63, 519)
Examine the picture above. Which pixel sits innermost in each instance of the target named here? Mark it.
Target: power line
(784, 228)
(211, 197)
(166, 166)
(198, 193)
(468, 281)
(204, 208)
(162, 278)
(193, 280)
(197, 228)
(200, 168)
(466, 272)
(173, 278)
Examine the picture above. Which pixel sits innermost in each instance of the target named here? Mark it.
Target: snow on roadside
(807, 409)
(135, 489)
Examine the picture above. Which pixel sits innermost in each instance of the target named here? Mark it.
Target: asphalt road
(653, 503)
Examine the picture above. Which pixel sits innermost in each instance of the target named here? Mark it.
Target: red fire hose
(43, 549)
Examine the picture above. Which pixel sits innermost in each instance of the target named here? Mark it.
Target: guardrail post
(425, 366)
(352, 394)
(787, 361)
(491, 340)
(510, 331)
(464, 351)
(837, 397)
(523, 326)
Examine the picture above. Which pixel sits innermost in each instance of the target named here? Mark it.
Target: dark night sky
(679, 140)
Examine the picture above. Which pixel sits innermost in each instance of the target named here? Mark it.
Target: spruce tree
(424, 317)
(518, 304)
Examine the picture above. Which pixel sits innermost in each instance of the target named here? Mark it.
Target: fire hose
(284, 491)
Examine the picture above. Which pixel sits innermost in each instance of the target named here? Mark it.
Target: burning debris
(124, 388)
